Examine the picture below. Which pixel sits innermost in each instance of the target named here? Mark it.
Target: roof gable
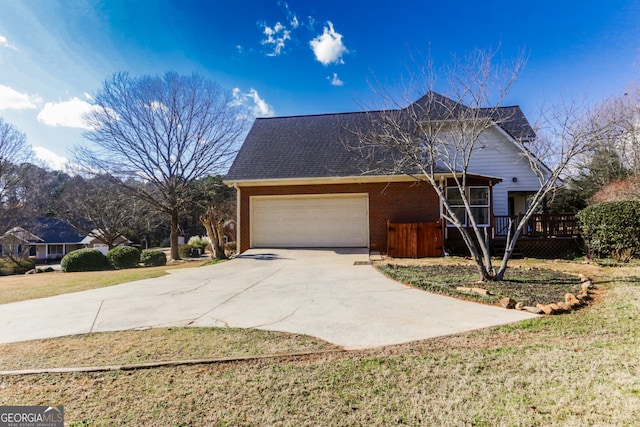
(510, 118)
(21, 234)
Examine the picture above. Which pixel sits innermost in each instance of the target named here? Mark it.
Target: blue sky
(296, 57)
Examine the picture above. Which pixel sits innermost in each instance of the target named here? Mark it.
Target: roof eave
(357, 179)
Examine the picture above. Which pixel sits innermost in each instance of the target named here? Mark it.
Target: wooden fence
(416, 240)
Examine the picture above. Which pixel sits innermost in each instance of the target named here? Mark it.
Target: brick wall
(398, 202)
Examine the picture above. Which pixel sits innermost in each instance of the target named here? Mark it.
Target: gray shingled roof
(296, 147)
(313, 146)
(54, 230)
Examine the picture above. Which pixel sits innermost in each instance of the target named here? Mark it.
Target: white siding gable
(497, 155)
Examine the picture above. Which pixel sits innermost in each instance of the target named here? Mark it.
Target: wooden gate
(416, 240)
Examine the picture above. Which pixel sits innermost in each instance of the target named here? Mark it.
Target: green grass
(216, 261)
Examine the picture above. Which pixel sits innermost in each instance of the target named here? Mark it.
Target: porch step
(498, 249)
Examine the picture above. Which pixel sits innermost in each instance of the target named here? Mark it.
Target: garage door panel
(310, 221)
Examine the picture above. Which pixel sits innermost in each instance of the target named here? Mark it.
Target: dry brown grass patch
(151, 345)
(31, 286)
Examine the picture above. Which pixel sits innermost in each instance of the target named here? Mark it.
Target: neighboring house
(298, 186)
(17, 242)
(91, 241)
(47, 239)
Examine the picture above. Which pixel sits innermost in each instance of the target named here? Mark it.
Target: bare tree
(566, 132)
(443, 135)
(611, 129)
(14, 151)
(615, 125)
(162, 131)
(13, 144)
(620, 116)
(99, 208)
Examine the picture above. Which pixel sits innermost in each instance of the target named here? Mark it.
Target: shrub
(611, 229)
(124, 257)
(188, 251)
(14, 265)
(153, 258)
(84, 260)
(199, 242)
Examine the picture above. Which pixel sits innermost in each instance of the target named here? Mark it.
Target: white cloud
(5, 43)
(293, 19)
(67, 113)
(294, 22)
(51, 159)
(276, 37)
(328, 46)
(312, 21)
(255, 106)
(335, 80)
(14, 100)
(261, 108)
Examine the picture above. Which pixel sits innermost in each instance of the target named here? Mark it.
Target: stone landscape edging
(571, 301)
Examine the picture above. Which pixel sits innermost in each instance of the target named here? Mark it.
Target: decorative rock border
(571, 301)
(40, 270)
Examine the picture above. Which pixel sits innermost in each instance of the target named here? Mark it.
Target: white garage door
(310, 221)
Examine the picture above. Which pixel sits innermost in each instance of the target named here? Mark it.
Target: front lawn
(573, 370)
(30, 286)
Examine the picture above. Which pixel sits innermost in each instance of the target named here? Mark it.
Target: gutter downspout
(238, 226)
(445, 233)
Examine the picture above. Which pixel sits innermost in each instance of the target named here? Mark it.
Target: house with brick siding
(299, 186)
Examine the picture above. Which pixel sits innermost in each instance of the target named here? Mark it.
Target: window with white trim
(56, 250)
(479, 202)
(456, 203)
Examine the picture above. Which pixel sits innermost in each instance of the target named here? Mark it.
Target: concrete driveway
(316, 292)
